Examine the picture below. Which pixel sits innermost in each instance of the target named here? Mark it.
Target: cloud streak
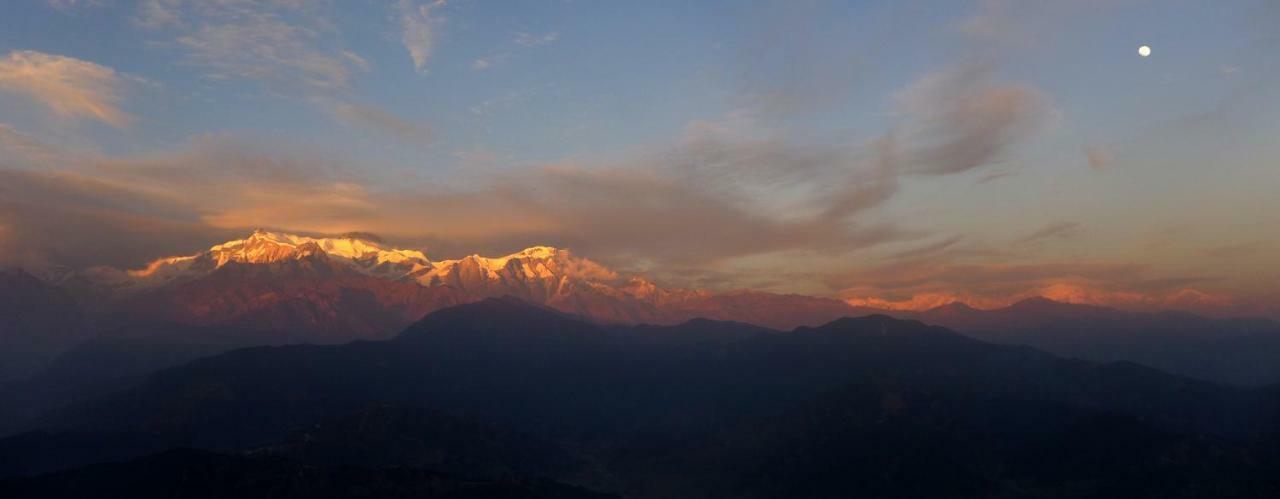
(263, 42)
(418, 27)
(923, 284)
(959, 119)
(359, 115)
(71, 88)
(1053, 230)
(291, 47)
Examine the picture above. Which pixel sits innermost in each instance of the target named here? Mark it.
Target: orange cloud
(70, 87)
(1066, 292)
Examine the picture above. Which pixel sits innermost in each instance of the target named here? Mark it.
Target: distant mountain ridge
(279, 288)
(247, 280)
(1240, 351)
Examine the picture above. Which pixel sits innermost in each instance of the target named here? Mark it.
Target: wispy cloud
(72, 5)
(921, 284)
(1053, 230)
(622, 212)
(1238, 250)
(71, 88)
(156, 14)
(959, 119)
(418, 25)
(1014, 23)
(280, 43)
(19, 149)
(1099, 159)
(371, 117)
(928, 250)
(994, 175)
(522, 39)
(532, 40)
(293, 48)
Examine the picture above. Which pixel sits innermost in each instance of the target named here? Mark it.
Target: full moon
(1144, 51)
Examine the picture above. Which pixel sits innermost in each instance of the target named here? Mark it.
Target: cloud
(76, 220)
(418, 30)
(292, 47)
(1099, 159)
(994, 175)
(1024, 24)
(157, 14)
(71, 5)
(1188, 299)
(532, 40)
(996, 21)
(1057, 229)
(925, 283)
(928, 250)
(950, 122)
(795, 62)
(622, 212)
(640, 213)
(360, 115)
(69, 87)
(939, 275)
(22, 150)
(1238, 250)
(976, 275)
(959, 119)
(264, 44)
(525, 40)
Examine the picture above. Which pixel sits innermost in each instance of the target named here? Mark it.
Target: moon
(1144, 51)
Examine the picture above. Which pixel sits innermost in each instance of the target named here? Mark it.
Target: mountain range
(358, 286)
(872, 406)
(274, 288)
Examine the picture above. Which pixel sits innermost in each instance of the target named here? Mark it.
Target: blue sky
(877, 151)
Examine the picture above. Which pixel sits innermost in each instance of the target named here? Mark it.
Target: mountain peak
(538, 252)
(953, 307)
(505, 314)
(354, 246)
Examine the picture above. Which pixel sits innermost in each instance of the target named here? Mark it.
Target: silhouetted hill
(197, 474)
(37, 320)
(387, 435)
(38, 452)
(1238, 351)
(114, 361)
(706, 408)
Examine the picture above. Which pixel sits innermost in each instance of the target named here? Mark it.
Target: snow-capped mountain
(262, 247)
(355, 286)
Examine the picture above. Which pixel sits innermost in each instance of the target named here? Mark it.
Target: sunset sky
(895, 154)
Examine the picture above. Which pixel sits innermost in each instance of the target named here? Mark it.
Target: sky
(893, 154)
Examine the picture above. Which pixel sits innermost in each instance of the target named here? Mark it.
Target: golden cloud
(69, 87)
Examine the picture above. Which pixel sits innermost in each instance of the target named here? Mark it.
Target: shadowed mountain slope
(710, 409)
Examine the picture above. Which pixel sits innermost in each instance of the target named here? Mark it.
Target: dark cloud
(76, 221)
(928, 250)
(1234, 250)
(1099, 159)
(1056, 229)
